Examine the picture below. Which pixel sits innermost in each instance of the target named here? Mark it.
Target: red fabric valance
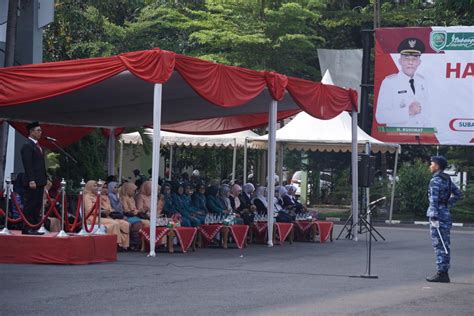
(321, 101)
(35, 82)
(222, 85)
(65, 135)
(225, 86)
(223, 125)
(106, 132)
(155, 65)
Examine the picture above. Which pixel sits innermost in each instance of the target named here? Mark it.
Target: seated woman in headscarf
(117, 209)
(198, 200)
(168, 209)
(213, 203)
(246, 211)
(180, 205)
(246, 197)
(260, 200)
(90, 199)
(285, 212)
(197, 215)
(143, 200)
(106, 208)
(127, 198)
(223, 197)
(291, 199)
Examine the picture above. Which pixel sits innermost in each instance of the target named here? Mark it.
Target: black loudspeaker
(366, 165)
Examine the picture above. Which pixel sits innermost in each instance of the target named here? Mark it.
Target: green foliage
(411, 188)
(90, 154)
(279, 35)
(463, 211)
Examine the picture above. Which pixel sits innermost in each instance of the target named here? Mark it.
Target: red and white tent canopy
(165, 90)
(117, 91)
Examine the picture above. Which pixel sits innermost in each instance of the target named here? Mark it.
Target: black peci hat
(411, 46)
(32, 125)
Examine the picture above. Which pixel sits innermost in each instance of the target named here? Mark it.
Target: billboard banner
(424, 85)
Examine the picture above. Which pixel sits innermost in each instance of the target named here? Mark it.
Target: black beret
(441, 161)
(411, 46)
(32, 125)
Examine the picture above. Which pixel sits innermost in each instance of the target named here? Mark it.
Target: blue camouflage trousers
(442, 259)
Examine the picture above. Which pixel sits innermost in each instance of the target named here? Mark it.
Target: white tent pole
(394, 179)
(111, 152)
(355, 175)
(280, 162)
(121, 162)
(234, 160)
(272, 122)
(171, 162)
(155, 165)
(245, 160)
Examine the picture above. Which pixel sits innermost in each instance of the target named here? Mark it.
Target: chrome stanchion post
(100, 230)
(42, 228)
(83, 231)
(5, 230)
(62, 233)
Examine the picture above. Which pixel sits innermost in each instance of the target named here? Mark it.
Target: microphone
(51, 139)
(377, 201)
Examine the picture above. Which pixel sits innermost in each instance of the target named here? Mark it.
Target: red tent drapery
(65, 135)
(230, 124)
(225, 86)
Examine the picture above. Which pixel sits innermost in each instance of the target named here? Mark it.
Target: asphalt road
(298, 279)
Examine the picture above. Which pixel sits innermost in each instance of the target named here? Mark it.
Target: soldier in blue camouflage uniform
(442, 193)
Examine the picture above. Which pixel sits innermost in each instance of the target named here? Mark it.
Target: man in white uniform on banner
(403, 98)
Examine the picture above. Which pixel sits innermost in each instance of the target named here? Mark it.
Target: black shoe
(441, 277)
(32, 232)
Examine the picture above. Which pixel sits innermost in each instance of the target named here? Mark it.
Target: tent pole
(394, 183)
(245, 161)
(121, 162)
(171, 162)
(155, 164)
(111, 152)
(280, 162)
(355, 174)
(234, 161)
(272, 122)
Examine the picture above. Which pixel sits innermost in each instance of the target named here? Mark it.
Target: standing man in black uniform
(32, 156)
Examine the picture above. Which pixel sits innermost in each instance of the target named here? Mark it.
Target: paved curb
(398, 222)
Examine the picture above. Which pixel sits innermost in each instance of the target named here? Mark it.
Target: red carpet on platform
(18, 248)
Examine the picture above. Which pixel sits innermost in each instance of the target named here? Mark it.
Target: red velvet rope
(75, 224)
(94, 218)
(46, 215)
(11, 220)
(52, 208)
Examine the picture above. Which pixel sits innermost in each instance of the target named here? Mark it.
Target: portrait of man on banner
(403, 98)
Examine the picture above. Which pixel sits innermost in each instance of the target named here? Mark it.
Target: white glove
(434, 223)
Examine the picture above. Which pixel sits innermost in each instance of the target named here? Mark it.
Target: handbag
(116, 215)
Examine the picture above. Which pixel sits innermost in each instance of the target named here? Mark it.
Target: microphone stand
(368, 274)
(66, 155)
(62, 151)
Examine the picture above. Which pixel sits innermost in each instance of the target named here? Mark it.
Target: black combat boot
(441, 277)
